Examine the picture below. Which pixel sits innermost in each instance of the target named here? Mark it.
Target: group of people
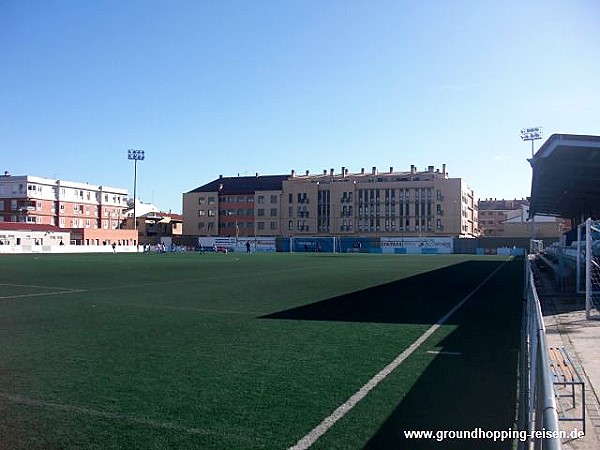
(160, 248)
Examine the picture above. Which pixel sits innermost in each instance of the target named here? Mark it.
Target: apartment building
(66, 205)
(510, 218)
(393, 203)
(374, 203)
(234, 206)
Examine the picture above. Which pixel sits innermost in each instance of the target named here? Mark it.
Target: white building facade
(64, 204)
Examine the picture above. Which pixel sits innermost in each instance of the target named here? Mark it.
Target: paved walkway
(566, 326)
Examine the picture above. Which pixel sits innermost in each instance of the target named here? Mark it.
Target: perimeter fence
(537, 404)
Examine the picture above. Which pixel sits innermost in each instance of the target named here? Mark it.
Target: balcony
(23, 207)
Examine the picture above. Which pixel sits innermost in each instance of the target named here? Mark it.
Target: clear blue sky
(228, 87)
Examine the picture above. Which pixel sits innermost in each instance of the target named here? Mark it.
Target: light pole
(531, 134)
(135, 155)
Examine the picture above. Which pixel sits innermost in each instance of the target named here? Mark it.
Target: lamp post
(135, 155)
(531, 134)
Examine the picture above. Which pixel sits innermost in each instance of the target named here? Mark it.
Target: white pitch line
(184, 308)
(202, 280)
(309, 439)
(42, 294)
(52, 288)
(105, 414)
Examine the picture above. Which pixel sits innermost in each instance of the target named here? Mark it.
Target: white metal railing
(537, 402)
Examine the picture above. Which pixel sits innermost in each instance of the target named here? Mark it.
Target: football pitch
(261, 351)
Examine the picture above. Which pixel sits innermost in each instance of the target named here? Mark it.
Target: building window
(273, 225)
(273, 212)
(201, 212)
(260, 212)
(273, 199)
(260, 199)
(260, 225)
(201, 200)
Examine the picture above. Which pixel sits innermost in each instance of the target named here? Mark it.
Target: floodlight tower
(135, 155)
(531, 134)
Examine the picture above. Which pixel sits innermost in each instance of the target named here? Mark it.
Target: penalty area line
(309, 439)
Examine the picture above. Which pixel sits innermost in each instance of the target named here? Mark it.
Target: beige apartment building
(367, 203)
(510, 219)
(234, 206)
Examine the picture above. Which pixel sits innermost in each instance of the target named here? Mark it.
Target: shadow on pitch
(472, 382)
(420, 299)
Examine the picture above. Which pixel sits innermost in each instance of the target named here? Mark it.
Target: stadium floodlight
(531, 134)
(135, 155)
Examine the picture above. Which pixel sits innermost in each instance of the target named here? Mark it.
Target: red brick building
(95, 210)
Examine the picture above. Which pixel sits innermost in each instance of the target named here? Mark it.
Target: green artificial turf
(161, 351)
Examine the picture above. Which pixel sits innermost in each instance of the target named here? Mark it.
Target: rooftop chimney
(324, 171)
(362, 171)
(391, 169)
(346, 172)
(331, 172)
(430, 169)
(307, 172)
(293, 173)
(413, 169)
(444, 169)
(343, 171)
(373, 170)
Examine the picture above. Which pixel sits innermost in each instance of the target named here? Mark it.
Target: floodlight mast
(531, 134)
(135, 155)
